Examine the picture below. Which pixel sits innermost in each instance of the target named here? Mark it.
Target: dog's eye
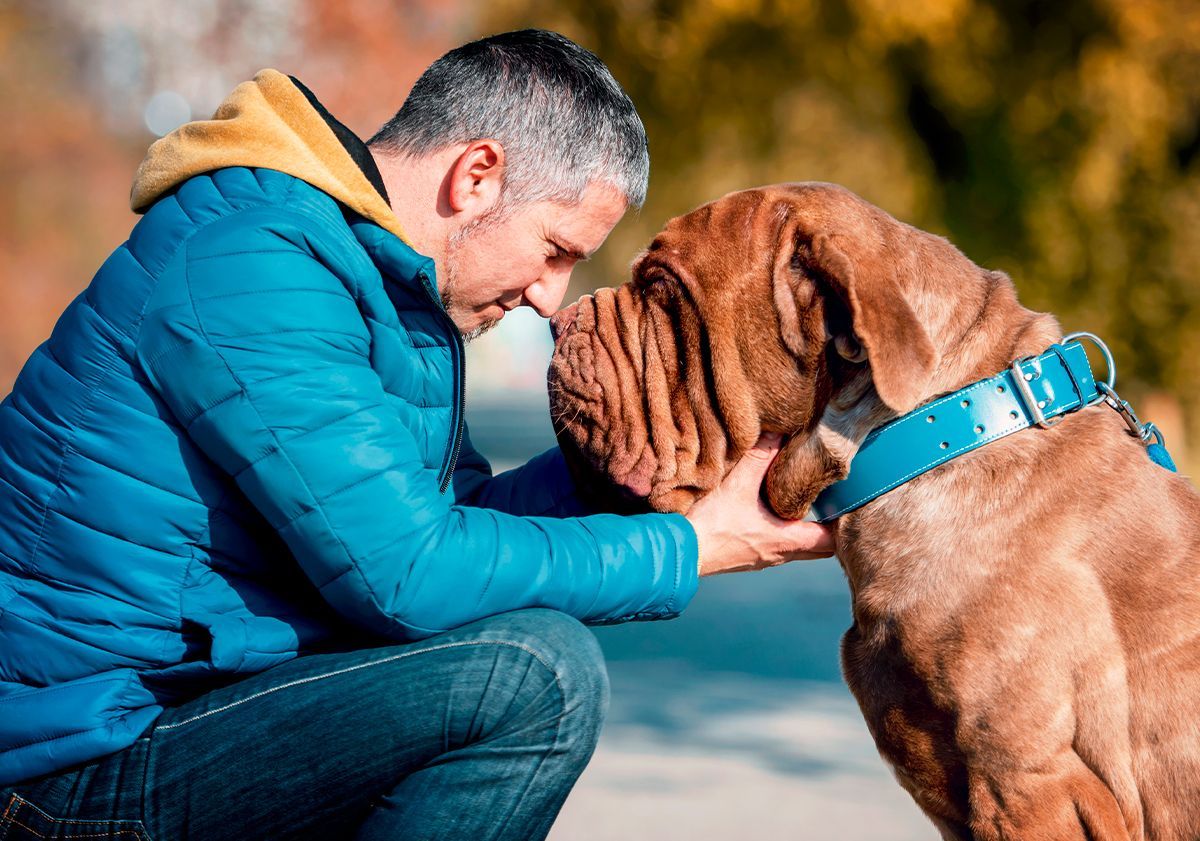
(801, 259)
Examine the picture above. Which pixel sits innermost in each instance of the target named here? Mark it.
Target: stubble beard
(449, 291)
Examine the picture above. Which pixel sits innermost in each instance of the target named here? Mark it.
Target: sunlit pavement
(740, 758)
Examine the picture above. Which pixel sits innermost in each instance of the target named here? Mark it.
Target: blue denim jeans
(478, 733)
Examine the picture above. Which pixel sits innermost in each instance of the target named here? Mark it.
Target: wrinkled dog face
(661, 384)
(796, 308)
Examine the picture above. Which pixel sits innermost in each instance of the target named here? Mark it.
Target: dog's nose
(562, 320)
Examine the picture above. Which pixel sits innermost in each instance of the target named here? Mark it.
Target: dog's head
(778, 309)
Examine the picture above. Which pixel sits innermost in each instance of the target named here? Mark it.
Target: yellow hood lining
(268, 123)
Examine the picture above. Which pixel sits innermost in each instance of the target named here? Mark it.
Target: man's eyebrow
(570, 250)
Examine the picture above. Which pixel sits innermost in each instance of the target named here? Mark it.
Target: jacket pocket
(246, 644)
(23, 821)
(44, 729)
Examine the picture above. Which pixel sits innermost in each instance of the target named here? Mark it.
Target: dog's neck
(974, 346)
(1001, 331)
(977, 347)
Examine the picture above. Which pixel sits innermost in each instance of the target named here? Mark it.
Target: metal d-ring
(1108, 394)
(1111, 379)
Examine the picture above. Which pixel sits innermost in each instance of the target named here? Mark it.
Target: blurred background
(1059, 142)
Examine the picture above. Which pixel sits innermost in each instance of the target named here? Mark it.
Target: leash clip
(1107, 394)
(1147, 432)
(1141, 431)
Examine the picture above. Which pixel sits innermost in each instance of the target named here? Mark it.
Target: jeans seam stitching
(109, 834)
(5, 823)
(310, 679)
(145, 784)
(121, 831)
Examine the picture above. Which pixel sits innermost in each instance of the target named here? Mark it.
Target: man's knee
(567, 648)
(561, 670)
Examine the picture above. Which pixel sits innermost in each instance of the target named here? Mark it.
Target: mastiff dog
(1025, 644)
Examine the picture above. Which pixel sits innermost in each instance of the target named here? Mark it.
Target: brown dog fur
(1026, 638)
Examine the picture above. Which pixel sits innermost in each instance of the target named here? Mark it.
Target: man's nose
(563, 319)
(546, 293)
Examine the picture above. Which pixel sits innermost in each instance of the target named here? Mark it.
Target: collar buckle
(1021, 378)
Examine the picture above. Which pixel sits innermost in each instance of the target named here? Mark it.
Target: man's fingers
(810, 556)
(815, 539)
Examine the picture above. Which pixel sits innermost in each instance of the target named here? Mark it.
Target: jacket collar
(400, 260)
(274, 123)
(355, 148)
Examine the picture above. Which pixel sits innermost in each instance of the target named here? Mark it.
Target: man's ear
(881, 320)
(476, 177)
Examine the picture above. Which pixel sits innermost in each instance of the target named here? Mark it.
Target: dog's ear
(824, 299)
(811, 317)
(795, 294)
(881, 322)
(803, 468)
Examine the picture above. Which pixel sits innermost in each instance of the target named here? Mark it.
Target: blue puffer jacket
(240, 443)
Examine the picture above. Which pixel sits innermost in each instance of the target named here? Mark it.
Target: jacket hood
(271, 122)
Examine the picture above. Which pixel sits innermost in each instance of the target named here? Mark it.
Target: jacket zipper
(462, 410)
(460, 384)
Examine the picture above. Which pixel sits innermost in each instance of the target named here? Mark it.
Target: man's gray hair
(562, 118)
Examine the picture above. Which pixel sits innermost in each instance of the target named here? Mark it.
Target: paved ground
(693, 755)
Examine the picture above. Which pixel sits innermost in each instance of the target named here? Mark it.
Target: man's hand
(737, 532)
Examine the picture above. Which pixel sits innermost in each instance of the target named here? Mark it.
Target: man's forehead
(580, 228)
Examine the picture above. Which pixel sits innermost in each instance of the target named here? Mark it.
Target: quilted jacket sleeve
(258, 347)
(541, 486)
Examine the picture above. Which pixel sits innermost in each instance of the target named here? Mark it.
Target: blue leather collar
(1033, 391)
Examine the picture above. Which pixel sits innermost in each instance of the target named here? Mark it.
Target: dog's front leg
(1002, 723)
(1045, 739)
(1074, 805)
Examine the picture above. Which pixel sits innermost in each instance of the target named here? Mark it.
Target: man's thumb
(755, 461)
(815, 538)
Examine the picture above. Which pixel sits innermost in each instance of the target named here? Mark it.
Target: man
(244, 442)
